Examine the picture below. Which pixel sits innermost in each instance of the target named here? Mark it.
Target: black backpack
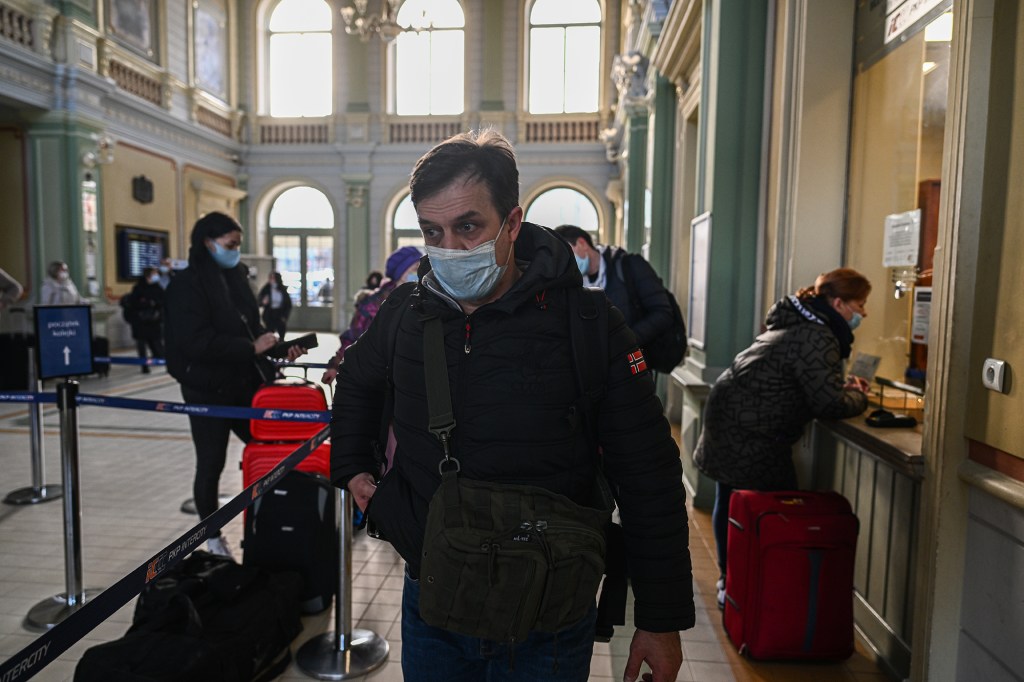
(664, 352)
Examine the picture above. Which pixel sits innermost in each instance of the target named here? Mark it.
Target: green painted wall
(661, 179)
(733, 102)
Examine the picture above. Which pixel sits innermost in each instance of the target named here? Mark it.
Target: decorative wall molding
(283, 131)
(562, 130)
(355, 195)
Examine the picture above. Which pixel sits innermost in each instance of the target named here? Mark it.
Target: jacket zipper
(467, 344)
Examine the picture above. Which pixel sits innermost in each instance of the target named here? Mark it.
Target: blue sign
(64, 334)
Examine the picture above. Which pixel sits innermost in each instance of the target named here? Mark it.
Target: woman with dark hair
(791, 374)
(144, 312)
(277, 305)
(216, 348)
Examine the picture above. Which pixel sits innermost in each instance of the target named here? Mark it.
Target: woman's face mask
(468, 275)
(153, 279)
(226, 257)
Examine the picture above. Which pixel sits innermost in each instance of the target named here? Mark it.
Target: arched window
(564, 206)
(565, 55)
(302, 242)
(299, 59)
(405, 225)
(429, 61)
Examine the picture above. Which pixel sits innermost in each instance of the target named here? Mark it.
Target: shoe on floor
(219, 546)
(145, 370)
(720, 586)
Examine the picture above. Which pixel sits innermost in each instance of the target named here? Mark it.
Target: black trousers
(275, 321)
(210, 436)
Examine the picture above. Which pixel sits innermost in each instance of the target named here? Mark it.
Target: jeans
(431, 654)
(720, 523)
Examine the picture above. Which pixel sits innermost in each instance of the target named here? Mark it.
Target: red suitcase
(288, 394)
(259, 458)
(789, 576)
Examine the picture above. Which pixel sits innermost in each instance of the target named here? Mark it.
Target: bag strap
(439, 398)
(620, 271)
(588, 334)
(389, 396)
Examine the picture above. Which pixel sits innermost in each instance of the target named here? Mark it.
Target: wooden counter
(900, 448)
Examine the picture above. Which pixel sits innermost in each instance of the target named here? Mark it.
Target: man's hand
(662, 651)
(329, 375)
(362, 488)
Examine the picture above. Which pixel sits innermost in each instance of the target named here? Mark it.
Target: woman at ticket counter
(791, 374)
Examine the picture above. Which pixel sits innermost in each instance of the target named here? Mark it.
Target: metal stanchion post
(39, 492)
(343, 653)
(52, 611)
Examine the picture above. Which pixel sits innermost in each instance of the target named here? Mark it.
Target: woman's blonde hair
(843, 283)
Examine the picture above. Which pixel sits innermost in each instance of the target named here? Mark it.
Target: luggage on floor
(14, 367)
(101, 349)
(288, 394)
(259, 458)
(208, 618)
(293, 527)
(789, 576)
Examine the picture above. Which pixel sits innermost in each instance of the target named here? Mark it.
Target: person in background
(791, 374)
(501, 290)
(372, 283)
(216, 348)
(400, 267)
(10, 289)
(276, 303)
(144, 311)
(58, 287)
(166, 272)
(609, 268)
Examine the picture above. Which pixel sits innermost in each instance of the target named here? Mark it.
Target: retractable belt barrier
(123, 360)
(58, 639)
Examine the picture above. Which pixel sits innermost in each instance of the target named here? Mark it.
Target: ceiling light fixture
(359, 22)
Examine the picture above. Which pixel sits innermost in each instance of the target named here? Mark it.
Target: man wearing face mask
(647, 310)
(58, 287)
(501, 289)
(216, 348)
(144, 312)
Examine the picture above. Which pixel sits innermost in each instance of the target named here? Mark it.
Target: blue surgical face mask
(164, 269)
(468, 275)
(412, 277)
(153, 279)
(854, 321)
(583, 264)
(224, 257)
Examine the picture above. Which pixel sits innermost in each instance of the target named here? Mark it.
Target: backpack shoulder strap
(625, 275)
(397, 298)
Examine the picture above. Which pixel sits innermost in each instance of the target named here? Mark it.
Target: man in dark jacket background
(500, 288)
(617, 271)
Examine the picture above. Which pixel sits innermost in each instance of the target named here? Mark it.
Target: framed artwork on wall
(210, 47)
(133, 23)
(700, 255)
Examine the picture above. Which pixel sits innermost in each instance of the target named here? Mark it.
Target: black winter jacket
(513, 386)
(211, 322)
(650, 313)
(759, 406)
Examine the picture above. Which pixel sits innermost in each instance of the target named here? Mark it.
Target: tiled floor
(136, 470)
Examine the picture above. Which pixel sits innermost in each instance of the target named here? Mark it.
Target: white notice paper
(902, 238)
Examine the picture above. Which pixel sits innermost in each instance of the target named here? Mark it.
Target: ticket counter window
(896, 151)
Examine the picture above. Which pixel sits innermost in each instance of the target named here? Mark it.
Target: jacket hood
(789, 312)
(544, 258)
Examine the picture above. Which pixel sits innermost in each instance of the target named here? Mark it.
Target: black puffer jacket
(650, 313)
(513, 387)
(210, 323)
(759, 406)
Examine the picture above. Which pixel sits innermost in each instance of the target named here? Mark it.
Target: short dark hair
(572, 234)
(476, 155)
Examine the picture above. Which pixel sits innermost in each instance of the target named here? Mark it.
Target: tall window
(564, 206)
(299, 58)
(430, 59)
(405, 225)
(302, 242)
(565, 55)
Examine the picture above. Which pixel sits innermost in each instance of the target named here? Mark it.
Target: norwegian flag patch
(636, 362)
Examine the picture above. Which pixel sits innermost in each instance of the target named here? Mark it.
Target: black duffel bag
(208, 618)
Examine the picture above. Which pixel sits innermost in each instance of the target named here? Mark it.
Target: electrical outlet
(993, 374)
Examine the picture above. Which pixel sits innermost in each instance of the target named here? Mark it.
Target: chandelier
(358, 22)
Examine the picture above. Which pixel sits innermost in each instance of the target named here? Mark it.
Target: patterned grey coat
(758, 408)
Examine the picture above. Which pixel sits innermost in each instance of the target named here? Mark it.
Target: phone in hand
(280, 350)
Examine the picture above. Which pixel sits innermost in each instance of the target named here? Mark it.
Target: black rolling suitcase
(206, 619)
(294, 527)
